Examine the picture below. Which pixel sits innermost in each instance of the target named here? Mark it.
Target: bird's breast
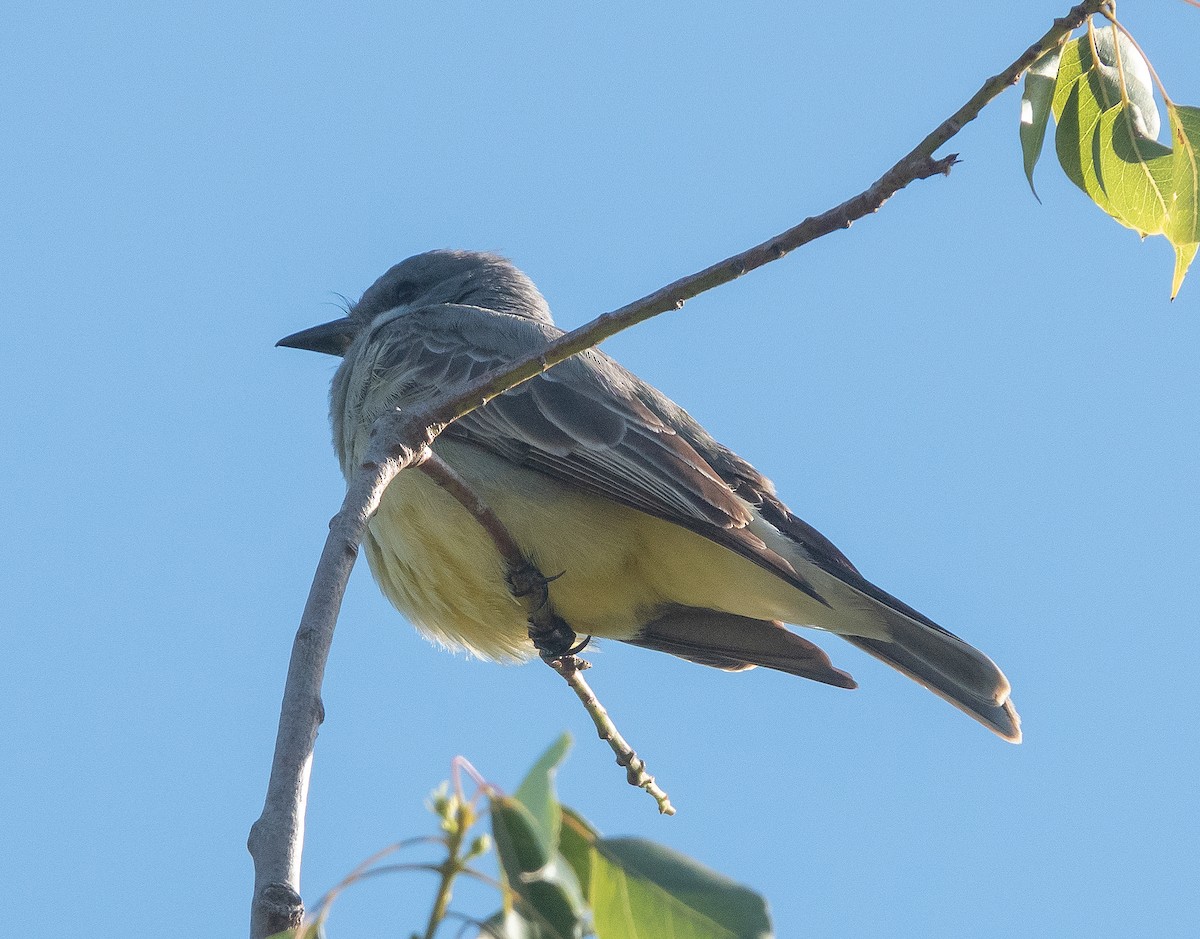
(440, 568)
(613, 566)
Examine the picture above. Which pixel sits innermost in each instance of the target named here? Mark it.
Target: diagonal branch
(401, 440)
(550, 634)
(529, 585)
(918, 163)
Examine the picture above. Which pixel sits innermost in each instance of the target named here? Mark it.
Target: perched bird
(663, 537)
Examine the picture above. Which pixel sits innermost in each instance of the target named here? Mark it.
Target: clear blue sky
(986, 402)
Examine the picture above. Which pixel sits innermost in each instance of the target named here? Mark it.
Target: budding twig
(549, 633)
(569, 666)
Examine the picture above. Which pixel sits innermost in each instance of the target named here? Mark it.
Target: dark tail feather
(1000, 718)
(932, 656)
(731, 642)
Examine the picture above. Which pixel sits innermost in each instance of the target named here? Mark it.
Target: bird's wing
(920, 648)
(584, 422)
(595, 426)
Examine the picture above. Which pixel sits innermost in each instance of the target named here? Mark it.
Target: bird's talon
(580, 646)
(554, 641)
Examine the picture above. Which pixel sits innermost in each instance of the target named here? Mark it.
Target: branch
(551, 635)
(401, 440)
(916, 164)
(569, 667)
(528, 584)
(277, 839)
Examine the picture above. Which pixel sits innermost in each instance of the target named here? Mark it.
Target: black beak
(331, 338)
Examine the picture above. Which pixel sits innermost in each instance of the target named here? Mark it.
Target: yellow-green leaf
(1184, 227)
(1075, 140)
(1184, 255)
(642, 890)
(1134, 172)
(1076, 58)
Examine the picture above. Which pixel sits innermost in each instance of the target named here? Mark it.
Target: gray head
(470, 278)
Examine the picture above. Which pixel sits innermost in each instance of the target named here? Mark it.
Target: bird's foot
(553, 638)
(528, 581)
(550, 634)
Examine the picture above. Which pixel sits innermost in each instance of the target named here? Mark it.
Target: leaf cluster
(566, 880)
(1099, 87)
(559, 877)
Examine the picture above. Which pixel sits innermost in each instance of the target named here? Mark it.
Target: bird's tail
(935, 661)
(912, 643)
(890, 629)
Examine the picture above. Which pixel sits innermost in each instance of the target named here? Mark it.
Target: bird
(649, 530)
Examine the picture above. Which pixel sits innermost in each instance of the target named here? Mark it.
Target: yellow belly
(438, 566)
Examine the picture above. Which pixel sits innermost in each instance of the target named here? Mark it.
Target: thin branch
(447, 872)
(324, 904)
(400, 440)
(440, 472)
(541, 614)
(551, 635)
(918, 163)
(569, 667)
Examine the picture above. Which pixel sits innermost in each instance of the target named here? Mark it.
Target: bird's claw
(554, 639)
(527, 579)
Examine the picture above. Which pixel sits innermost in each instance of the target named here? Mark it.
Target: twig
(551, 635)
(916, 164)
(399, 440)
(542, 617)
(323, 905)
(569, 666)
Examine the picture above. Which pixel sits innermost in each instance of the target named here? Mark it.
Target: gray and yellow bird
(663, 537)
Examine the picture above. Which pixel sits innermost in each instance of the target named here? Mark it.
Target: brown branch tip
(569, 667)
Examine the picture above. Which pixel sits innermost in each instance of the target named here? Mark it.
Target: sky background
(987, 403)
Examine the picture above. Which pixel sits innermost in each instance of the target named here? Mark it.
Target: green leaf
(1108, 122)
(1074, 60)
(1184, 255)
(1035, 109)
(1088, 85)
(1184, 227)
(1077, 60)
(1075, 140)
(642, 890)
(1139, 87)
(536, 791)
(1138, 83)
(1134, 172)
(550, 893)
(1149, 188)
(576, 840)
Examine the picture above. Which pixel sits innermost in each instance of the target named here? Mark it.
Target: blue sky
(987, 403)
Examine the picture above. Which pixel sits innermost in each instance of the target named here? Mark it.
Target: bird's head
(469, 278)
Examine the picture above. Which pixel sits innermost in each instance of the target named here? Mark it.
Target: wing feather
(580, 422)
(586, 422)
